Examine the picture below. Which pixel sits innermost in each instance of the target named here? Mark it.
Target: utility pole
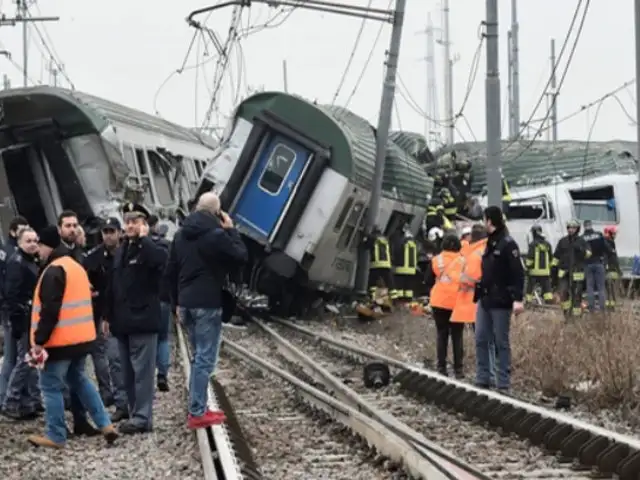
(396, 18)
(513, 127)
(553, 94)
(431, 97)
(637, 33)
(22, 16)
(515, 69)
(448, 74)
(285, 76)
(492, 106)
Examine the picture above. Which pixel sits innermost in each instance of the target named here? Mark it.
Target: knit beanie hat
(496, 216)
(49, 236)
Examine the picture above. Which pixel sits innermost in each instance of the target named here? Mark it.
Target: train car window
(350, 226)
(357, 238)
(143, 175)
(199, 168)
(190, 169)
(595, 204)
(343, 214)
(129, 157)
(530, 209)
(160, 177)
(275, 172)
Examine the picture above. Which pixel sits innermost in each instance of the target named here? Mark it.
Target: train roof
(352, 141)
(544, 163)
(79, 113)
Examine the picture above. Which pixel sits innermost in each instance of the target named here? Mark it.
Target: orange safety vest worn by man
(465, 308)
(62, 324)
(75, 324)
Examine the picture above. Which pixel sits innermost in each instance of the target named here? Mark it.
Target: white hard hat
(466, 230)
(435, 233)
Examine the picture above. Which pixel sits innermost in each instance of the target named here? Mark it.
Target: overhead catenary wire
(565, 43)
(592, 104)
(51, 51)
(560, 83)
(354, 49)
(367, 61)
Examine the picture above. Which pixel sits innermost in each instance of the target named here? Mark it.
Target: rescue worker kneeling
(446, 269)
(62, 325)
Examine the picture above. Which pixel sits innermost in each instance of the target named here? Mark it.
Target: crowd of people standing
(60, 304)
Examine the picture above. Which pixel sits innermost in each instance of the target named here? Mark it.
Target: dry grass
(595, 358)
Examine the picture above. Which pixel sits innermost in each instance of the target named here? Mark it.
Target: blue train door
(270, 184)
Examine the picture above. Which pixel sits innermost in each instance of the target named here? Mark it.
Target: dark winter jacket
(502, 281)
(165, 288)
(201, 255)
(20, 282)
(133, 303)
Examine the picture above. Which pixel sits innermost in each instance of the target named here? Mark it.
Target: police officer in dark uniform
(133, 314)
(106, 358)
(538, 262)
(10, 347)
(498, 294)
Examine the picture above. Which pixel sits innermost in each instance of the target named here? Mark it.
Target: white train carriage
(296, 178)
(64, 149)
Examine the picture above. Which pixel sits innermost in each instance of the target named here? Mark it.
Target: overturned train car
(64, 149)
(296, 177)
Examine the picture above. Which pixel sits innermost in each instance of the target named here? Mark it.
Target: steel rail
(586, 444)
(208, 468)
(376, 434)
(354, 400)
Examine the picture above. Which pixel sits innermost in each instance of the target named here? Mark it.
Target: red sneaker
(207, 420)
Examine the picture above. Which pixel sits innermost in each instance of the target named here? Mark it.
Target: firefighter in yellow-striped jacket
(538, 262)
(405, 263)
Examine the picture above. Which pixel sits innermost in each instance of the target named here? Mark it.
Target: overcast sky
(123, 50)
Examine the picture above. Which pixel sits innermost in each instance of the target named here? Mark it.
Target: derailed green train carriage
(297, 178)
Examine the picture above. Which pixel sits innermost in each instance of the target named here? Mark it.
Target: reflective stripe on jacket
(75, 320)
(447, 267)
(465, 309)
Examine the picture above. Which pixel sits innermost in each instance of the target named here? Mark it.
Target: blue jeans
(595, 276)
(10, 352)
(163, 355)
(53, 378)
(23, 394)
(492, 325)
(204, 327)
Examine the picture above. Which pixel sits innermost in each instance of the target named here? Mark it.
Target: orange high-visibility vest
(75, 320)
(447, 267)
(465, 309)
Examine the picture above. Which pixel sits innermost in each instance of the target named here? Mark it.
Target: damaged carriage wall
(99, 179)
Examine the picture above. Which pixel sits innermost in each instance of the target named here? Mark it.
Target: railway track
(223, 450)
(500, 436)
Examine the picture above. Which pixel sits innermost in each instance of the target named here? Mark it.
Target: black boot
(163, 384)
(119, 415)
(86, 429)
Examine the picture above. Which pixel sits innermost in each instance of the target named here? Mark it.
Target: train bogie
(296, 177)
